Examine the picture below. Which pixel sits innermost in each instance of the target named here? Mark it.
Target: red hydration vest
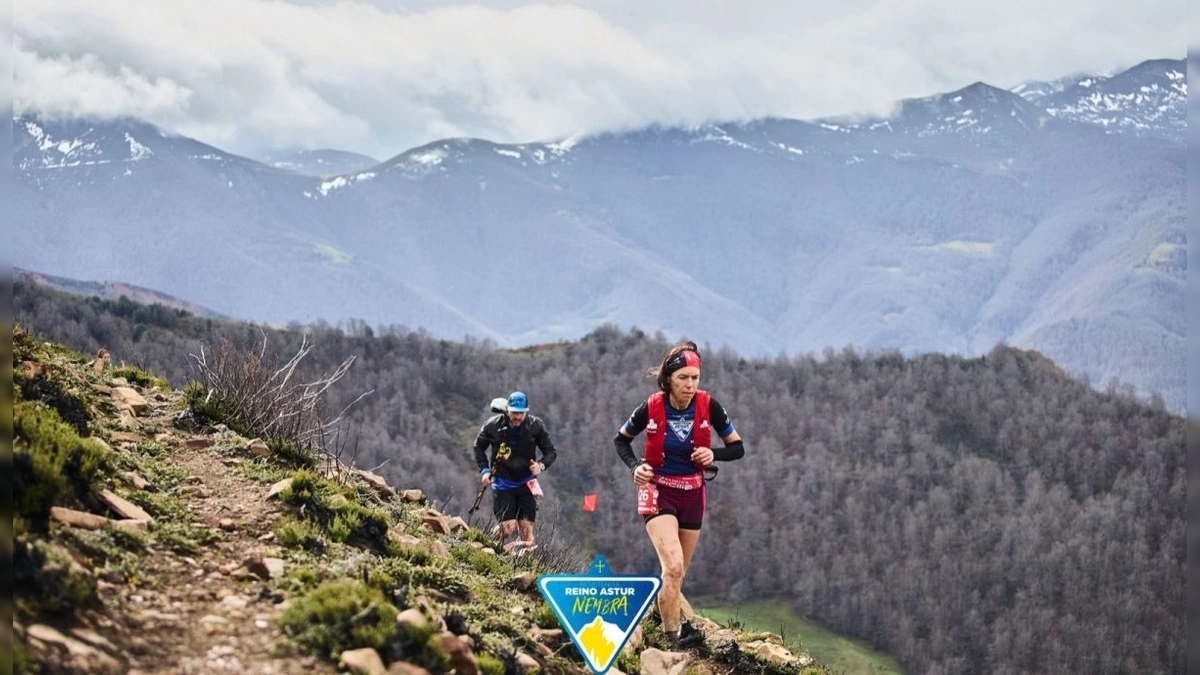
(656, 426)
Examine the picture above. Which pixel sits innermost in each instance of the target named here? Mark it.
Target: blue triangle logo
(599, 610)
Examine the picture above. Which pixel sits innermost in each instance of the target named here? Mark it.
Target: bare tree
(272, 402)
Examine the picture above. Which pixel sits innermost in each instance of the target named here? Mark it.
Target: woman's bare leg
(687, 543)
(665, 535)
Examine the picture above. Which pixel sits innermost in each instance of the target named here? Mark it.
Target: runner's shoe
(519, 548)
(689, 636)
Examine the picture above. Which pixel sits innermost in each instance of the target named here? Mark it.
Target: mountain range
(1051, 217)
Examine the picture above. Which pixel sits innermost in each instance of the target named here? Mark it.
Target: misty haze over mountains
(1050, 217)
(319, 163)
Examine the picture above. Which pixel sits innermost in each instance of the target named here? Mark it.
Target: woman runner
(679, 421)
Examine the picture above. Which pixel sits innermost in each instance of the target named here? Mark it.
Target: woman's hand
(643, 473)
(702, 457)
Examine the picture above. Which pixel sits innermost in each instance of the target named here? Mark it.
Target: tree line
(977, 515)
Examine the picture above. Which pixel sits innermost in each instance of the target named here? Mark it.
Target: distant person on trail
(679, 421)
(514, 437)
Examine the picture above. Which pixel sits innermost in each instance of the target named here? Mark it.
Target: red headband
(683, 359)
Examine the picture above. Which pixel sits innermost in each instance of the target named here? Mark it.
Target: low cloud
(251, 75)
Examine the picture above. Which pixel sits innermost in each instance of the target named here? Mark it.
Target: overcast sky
(383, 76)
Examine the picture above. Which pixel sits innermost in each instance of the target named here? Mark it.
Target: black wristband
(731, 451)
(625, 451)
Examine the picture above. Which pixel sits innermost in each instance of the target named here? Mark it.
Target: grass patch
(141, 378)
(303, 534)
(23, 663)
(290, 454)
(494, 619)
(543, 616)
(263, 471)
(116, 554)
(490, 665)
(214, 410)
(418, 644)
(36, 378)
(184, 538)
(152, 450)
(49, 581)
(337, 511)
(51, 463)
(144, 463)
(159, 505)
(838, 653)
(488, 564)
(340, 615)
(629, 662)
(442, 578)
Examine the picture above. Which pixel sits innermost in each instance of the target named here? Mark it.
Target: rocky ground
(210, 611)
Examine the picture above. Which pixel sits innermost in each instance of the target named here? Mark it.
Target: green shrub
(490, 665)
(343, 526)
(111, 549)
(290, 454)
(372, 528)
(22, 663)
(484, 563)
(441, 578)
(194, 394)
(215, 410)
(543, 616)
(494, 619)
(340, 615)
(184, 538)
(397, 568)
(337, 511)
(306, 577)
(126, 540)
(50, 462)
(417, 555)
(303, 534)
(141, 378)
(304, 491)
(55, 394)
(48, 580)
(477, 535)
(418, 644)
(629, 662)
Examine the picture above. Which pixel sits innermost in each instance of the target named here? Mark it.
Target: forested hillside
(967, 515)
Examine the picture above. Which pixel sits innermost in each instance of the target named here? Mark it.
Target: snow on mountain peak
(1149, 99)
(53, 152)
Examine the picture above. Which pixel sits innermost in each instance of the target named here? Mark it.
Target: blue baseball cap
(518, 402)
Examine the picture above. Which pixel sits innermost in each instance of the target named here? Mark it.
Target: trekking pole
(499, 405)
(478, 499)
(483, 488)
(501, 454)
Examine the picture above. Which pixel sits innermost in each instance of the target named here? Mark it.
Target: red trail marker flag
(589, 502)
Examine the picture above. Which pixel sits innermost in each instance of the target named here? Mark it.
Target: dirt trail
(213, 611)
(206, 613)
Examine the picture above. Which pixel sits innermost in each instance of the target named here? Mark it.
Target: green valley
(838, 653)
